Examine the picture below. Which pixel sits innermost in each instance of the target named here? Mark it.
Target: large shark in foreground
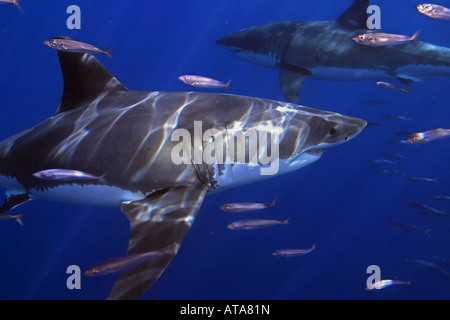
(125, 136)
(325, 50)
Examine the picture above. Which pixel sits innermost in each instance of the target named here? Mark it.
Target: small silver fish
(16, 217)
(65, 175)
(383, 39)
(293, 252)
(66, 44)
(411, 227)
(386, 283)
(423, 207)
(440, 198)
(13, 2)
(428, 136)
(203, 82)
(434, 11)
(396, 155)
(421, 179)
(120, 263)
(373, 102)
(395, 117)
(388, 85)
(383, 161)
(246, 206)
(435, 214)
(255, 223)
(388, 171)
(429, 265)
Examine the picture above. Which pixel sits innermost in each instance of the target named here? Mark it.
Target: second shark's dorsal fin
(356, 14)
(84, 79)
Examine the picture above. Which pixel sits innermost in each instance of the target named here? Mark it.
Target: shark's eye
(332, 130)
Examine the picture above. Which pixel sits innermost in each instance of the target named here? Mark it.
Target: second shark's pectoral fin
(291, 79)
(407, 80)
(158, 222)
(13, 199)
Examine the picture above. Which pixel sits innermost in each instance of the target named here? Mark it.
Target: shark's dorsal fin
(84, 79)
(355, 15)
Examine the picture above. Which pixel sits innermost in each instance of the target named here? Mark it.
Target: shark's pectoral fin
(291, 79)
(13, 199)
(407, 80)
(157, 222)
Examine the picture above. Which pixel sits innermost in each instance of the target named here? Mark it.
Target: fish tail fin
(107, 52)
(17, 218)
(313, 246)
(287, 220)
(407, 90)
(435, 180)
(102, 178)
(427, 233)
(274, 201)
(227, 85)
(415, 35)
(18, 6)
(409, 282)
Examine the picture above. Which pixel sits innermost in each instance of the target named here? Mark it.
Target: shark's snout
(230, 42)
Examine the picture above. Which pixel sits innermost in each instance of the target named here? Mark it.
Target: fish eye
(361, 37)
(332, 130)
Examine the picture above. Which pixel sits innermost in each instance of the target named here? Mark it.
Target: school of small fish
(393, 161)
(251, 224)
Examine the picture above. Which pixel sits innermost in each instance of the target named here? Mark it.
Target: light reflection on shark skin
(104, 129)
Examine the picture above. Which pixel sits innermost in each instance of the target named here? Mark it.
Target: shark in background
(324, 50)
(124, 138)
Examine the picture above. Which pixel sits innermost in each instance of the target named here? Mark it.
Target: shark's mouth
(314, 152)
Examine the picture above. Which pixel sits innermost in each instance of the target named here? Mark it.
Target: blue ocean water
(339, 202)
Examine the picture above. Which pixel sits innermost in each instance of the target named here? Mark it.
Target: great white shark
(124, 136)
(324, 50)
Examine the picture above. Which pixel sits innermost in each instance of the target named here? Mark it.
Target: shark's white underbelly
(240, 174)
(93, 195)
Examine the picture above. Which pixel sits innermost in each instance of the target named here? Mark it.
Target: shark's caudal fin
(84, 79)
(157, 222)
(355, 15)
